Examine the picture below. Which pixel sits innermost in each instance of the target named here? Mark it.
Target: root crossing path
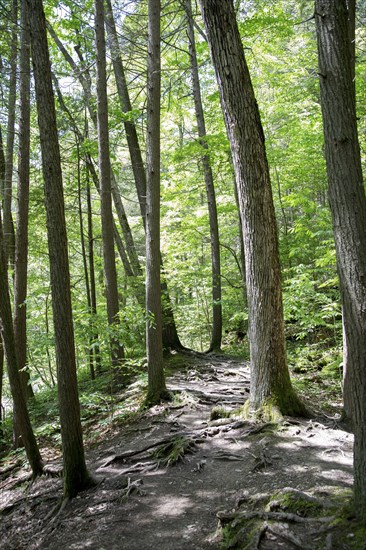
(169, 477)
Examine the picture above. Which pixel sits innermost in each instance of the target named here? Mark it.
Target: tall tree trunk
(110, 271)
(154, 342)
(21, 243)
(94, 342)
(76, 475)
(2, 179)
(270, 379)
(210, 188)
(7, 334)
(85, 262)
(9, 164)
(348, 206)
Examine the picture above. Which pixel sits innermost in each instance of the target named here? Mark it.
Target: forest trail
(142, 504)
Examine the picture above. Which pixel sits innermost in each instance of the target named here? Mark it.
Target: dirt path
(142, 506)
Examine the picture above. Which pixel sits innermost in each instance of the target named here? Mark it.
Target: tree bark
(154, 342)
(9, 164)
(348, 206)
(110, 271)
(21, 243)
(216, 334)
(270, 380)
(7, 334)
(76, 475)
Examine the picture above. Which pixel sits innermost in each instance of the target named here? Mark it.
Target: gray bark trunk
(270, 378)
(348, 206)
(76, 476)
(210, 188)
(110, 271)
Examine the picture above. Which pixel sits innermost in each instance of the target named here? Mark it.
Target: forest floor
(271, 486)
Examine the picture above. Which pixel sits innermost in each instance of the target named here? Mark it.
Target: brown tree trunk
(9, 164)
(270, 380)
(154, 342)
(216, 334)
(348, 206)
(76, 475)
(110, 271)
(21, 243)
(7, 334)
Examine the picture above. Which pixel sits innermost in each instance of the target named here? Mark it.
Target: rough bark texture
(21, 243)
(210, 188)
(76, 476)
(8, 182)
(110, 271)
(154, 343)
(7, 334)
(348, 207)
(270, 378)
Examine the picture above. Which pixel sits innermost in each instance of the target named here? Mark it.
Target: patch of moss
(268, 412)
(173, 451)
(295, 502)
(219, 412)
(241, 534)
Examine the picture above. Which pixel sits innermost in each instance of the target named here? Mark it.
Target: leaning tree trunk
(216, 334)
(154, 342)
(76, 475)
(348, 206)
(270, 378)
(110, 270)
(7, 334)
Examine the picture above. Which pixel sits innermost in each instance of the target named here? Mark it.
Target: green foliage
(168, 454)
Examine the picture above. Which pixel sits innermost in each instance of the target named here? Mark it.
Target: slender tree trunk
(94, 342)
(8, 182)
(85, 263)
(76, 475)
(21, 243)
(270, 379)
(154, 342)
(210, 188)
(2, 179)
(7, 333)
(348, 206)
(110, 271)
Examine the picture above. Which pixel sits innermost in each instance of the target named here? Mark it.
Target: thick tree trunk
(76, 476)
(9, 164)
(21, 243)
(210, 188)
(110, 271)
(348, 206)
(7, 334)
(154, 342)
(270, 378)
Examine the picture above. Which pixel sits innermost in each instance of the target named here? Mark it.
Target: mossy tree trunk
(270, 379)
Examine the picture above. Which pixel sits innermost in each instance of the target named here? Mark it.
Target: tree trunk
(348, 206)
(8, 182)
(210, 188)
(76, 476)
(154, 342)
(7, 334)
(270, 380)
(21, 243)
(94, 342)
(110, 271)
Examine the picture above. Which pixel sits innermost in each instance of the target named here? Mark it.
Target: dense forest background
(279, 40)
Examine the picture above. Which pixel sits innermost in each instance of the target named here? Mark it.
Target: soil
(140, 503)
